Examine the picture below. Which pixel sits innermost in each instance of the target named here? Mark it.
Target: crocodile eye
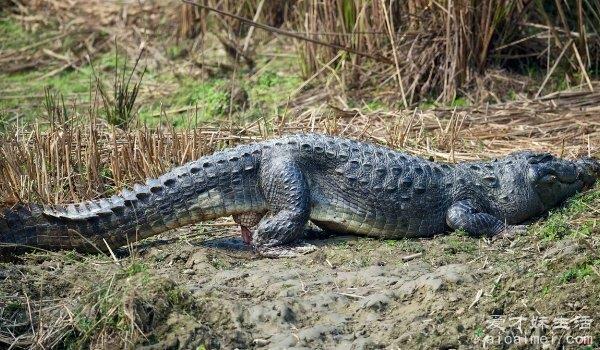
(549, 179)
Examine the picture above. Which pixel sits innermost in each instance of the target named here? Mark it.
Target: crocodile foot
(287, 251)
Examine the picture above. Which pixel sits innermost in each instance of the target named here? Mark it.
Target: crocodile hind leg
(288, 199)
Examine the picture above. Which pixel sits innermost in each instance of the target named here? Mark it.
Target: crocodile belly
(360, 221)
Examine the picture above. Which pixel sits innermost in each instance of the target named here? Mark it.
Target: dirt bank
(202, 287)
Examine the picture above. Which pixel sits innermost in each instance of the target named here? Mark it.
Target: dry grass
(113, 305)
(442, 49)
(81, 159)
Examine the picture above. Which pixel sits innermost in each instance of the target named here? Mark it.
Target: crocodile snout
(589, 170)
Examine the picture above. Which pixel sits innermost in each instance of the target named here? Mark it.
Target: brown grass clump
(238, 39)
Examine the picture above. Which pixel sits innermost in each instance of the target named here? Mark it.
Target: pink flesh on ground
(246, 235)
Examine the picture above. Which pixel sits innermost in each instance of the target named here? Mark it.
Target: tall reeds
(440, 47)
(437, 48)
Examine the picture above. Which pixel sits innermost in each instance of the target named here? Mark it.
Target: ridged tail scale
(221, 184)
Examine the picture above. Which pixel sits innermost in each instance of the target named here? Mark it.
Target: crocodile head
(555, 179)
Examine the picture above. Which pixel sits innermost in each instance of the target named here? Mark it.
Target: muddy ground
(202, 288)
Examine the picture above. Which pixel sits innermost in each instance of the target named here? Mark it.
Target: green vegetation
(12, 34)
(430, 103)
(342, 245)
(162, 96)
(183, 101)
(134, 268)
(459, 242)
(460, 102)
(427, 104)
(210, 97)
(28, 98)
(119, 106)
(392, 243)
(546, 290)
(218, 263)
(580, 271)
(556, 226)
(559, 223)
(273, 87)
(405, 244)
(461, 233)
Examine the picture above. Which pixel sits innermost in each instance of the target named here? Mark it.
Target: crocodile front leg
(287, 195)
(463, 215)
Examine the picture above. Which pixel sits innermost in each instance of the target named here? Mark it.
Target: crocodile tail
(93, 225)
(18, 224)
(211, 187)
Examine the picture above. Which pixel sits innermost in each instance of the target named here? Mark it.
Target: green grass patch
(557, 226)
(266, 96)
(75, 86)
(28, 100)
(460, 102)
(210, 97)
(511, 95)
(430, 103)
(427, 104)
(559, 223)
(405, 244)
(546, 290)
(459, 242)
(272, 89)
(135, 268)
(580, 271)
(12, 34)
(262, 95)
(175, 99)
(218, 263)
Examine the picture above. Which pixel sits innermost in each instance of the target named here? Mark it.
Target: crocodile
(273, 188)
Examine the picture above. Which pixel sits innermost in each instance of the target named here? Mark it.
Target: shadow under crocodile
(228, 243)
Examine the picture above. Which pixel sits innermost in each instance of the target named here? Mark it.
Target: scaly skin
(338, 184)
